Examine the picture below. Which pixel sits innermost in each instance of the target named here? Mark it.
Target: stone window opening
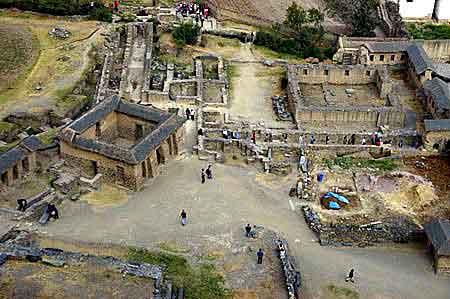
(5, 178)
(368, 73)
(305, 72)
(149, 167)
(381, 57)
(347, 72)
(372, 58)
(392, 57)
(402, 57)
(169, 143)
(326, 72)
(15, 172)
(26, 164)
(98, 129)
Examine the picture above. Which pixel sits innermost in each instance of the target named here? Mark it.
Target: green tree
(315, 17)
(186, 33)
(296, 17)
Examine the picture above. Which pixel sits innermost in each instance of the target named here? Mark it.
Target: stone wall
(442, 264)
(436, 140)
(18, 167)
(437, 49)
(333, 74)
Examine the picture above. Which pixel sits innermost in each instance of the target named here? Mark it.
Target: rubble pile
(59, 33)
(280, 107)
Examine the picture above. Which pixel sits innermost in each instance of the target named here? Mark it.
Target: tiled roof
(17, 153)
(32, 143)
(438, 232)
(436, 125)
(440, 92)
(388, 47)
(442, 69)
(419, 58)
(167, 124)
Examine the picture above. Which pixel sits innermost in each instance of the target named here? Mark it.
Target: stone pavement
(240, 195)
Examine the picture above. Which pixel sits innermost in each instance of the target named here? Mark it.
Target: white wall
(443, 9)
(417, 8)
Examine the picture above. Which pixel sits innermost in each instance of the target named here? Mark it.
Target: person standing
(188, 113)
(327, 139)
(192, 114)
(312, 139)
(350, 276)
(203, 176)
(209, 172)
(260, 255)
(248, 231)
(363, 141)
(183, 217)
(353, 139)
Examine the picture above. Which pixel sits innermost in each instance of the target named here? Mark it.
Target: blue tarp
(337, 196)
(333, 205)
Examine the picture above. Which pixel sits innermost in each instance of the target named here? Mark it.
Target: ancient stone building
(437, 134)
(420, 66)
(438, 234)
(125, 142)
(390, 52)
(18, 161)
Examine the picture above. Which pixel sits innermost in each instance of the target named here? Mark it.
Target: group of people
(206, 174)
(375, 139)
(228, 134)
(190, 113)
(194, 9)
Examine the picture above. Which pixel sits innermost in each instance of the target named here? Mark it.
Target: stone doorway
(5, 179)
(160, 159)
(120, 175)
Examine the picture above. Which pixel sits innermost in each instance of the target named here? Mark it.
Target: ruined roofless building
(124, 142)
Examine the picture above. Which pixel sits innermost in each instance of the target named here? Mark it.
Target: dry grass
(108, 196)
(59, 65)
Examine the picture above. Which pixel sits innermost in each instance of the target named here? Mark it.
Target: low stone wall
(400, 230)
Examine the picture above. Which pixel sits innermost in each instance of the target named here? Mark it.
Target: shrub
(186, 33)
(101, 14)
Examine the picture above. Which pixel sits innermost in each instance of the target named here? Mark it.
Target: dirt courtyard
(215, 219)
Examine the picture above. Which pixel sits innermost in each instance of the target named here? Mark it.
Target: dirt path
(252, 90)
(136, 68)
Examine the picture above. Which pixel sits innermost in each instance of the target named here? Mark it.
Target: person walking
(209, 172)
(183, 216)
(203, 176)
(327, 139)
(248, 231)
(260, 255)
(350, 276)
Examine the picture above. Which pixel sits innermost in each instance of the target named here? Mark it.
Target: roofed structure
(388, 47)
(438, 232)
(419, 58)
(440, 91)
(437, 125)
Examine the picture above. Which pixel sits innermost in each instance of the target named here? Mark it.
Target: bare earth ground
(215, 216)
(22, 280)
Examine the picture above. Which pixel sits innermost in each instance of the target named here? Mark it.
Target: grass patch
(349, 162)
(8, 146)
(173, 247)
(231, 72)
(47, 137)
(6, 126)
(334, 292)
(202, 282)
(428, 31)
(268, 53)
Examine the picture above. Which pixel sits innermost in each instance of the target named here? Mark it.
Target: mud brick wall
(107, 167)
(126, 126)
